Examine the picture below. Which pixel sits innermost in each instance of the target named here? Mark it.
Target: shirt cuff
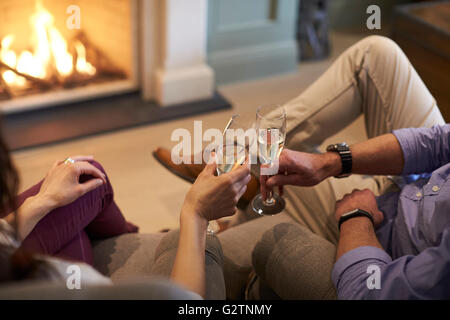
(404, 137)
(355, 256)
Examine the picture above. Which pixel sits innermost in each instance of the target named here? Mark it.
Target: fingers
(281, 180)
(241, 192)
(74, 158)
(57, 163)
(240, 173)
(90, 185)
(87, 168)
(263, 186)
(211, 167)
(82, 158)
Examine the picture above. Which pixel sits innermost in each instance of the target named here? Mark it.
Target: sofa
(129, 260)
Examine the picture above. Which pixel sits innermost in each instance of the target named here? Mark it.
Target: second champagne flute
(271, 133)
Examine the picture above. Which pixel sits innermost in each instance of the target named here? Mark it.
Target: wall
(352, 13)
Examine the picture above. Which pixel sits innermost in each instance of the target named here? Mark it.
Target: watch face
(342, 146)
(332, 147)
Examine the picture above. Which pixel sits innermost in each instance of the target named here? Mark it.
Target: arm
(189, 267)
(29, 214)
(424, 149)
(60, 187)
(359, 231)
(405, 151)
(425, 276)
(379, 156)
(210, 198)
(359, 251)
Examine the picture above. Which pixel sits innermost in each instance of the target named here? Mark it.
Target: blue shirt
(415, 233)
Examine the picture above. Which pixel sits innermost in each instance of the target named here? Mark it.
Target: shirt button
(435, 188)
(418, 194)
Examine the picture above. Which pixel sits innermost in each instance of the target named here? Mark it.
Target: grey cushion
(143, 288)
(126, 255)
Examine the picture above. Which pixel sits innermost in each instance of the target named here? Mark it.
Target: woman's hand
(212, 197)
(61, 185)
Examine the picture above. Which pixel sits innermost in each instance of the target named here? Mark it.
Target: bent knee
(97, 165)
(379, 45)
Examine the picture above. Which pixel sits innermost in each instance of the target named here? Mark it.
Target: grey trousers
(165, 257)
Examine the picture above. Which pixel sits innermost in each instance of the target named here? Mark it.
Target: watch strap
(353, 214)
(346, 158)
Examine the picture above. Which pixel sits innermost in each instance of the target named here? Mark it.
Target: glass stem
(269, 200)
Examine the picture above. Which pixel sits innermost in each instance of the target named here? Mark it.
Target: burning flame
(50, 52)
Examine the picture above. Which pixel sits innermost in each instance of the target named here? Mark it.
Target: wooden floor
(147, 194)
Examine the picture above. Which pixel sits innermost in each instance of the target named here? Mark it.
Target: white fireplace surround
(173, 51)
(168, 40)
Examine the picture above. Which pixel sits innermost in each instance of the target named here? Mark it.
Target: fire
(50, 55)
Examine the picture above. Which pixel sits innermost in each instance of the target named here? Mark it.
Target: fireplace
(131, 62)
(43, 62)
(155, 46)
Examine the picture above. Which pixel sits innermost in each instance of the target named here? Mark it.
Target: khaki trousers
(374, 78)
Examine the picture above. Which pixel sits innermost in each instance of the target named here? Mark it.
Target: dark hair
(15, 264)
(9, 180)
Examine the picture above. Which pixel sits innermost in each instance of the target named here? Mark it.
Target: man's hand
(302, 169)
(212, 197)
(359, 199)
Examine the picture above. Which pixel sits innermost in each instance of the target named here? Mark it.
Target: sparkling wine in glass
(271, 131)
(229, 155)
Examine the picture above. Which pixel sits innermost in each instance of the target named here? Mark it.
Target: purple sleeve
(425, 276)
(424, 149)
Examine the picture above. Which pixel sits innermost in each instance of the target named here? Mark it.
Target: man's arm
(405, 151)
(424, 149)
(359, 231)
(360, 259)
(379, 156)
(425, 276)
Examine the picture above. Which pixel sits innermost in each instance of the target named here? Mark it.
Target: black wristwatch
(353, 214)
(346, 158)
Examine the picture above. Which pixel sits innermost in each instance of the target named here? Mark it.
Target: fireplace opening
(44, 62)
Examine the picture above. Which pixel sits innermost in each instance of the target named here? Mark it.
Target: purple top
(415, 234)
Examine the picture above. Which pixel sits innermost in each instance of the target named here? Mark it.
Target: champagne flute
(229, 155)
(271, 133)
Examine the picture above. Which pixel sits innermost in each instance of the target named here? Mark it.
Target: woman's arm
(210, 198)
(28, 215)
(189, 267)
(60, 187)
